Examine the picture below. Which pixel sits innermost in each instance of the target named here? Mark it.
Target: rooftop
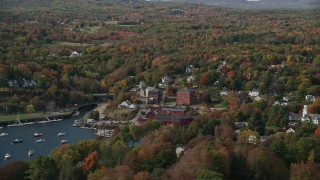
(186, 90)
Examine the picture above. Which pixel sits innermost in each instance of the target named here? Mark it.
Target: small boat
(7, 156)
(1, 127)
(4, 134)
(61, 134)
(17, 141)
(37, 134)
(30, 152)
(77, 123)
(63, 141)
(40, 140)
(77, 113)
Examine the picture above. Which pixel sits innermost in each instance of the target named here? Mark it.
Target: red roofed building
(174, 111)
(186, 96)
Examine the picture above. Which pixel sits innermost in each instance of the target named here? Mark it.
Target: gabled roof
(173, 109)
(186, 90)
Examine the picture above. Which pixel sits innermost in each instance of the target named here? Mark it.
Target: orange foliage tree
(315, 107)
(317, 132)
(91, 162)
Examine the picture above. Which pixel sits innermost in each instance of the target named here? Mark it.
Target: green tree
(278, 116)
(257, 123)
(205, 174)
(42, 168)
(95, 115)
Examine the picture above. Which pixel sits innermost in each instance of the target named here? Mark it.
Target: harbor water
(50, 131)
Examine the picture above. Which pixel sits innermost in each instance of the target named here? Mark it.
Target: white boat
(37, 134)
(40, 140)
(4, 134)
(63, 141)
(61, 134)
(1, 127)
(17, 141)
(77, 123)
(7, 156)
(30, 152)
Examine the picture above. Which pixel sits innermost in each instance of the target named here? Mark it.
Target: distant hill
(258, 4)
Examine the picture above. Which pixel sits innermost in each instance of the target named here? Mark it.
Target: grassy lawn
(64, 43)
(123, 114)
(111, 22)
(91, 30)
(106, 44)
(220, 106)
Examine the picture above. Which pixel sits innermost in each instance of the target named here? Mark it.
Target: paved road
(135, 119)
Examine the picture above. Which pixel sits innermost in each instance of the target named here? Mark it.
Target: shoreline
(51, 116)
(36, 119)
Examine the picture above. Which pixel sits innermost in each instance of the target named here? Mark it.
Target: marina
(52, 133)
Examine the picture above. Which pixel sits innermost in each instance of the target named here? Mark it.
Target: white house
(142, 84)
(290, 130)
(74, 54)
(127, 104)
(310, 98)
(224, 91)
(285, 98)
(254, 93)
(165, 81)
(13, 83)
(281, 103)
(28, 83)
(179, 151)
(252, 139)
(189, 69)
(191, 79)
(294, 117)
(308, 117)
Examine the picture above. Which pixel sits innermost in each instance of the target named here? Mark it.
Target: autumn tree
(13, 170)
(315, 107)
(265, 164)
(304, 171)
(91, 162)
(317, 132)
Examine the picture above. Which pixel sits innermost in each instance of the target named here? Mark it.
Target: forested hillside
(121, 43)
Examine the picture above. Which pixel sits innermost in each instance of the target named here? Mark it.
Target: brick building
(186, 96)
(154, 96)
